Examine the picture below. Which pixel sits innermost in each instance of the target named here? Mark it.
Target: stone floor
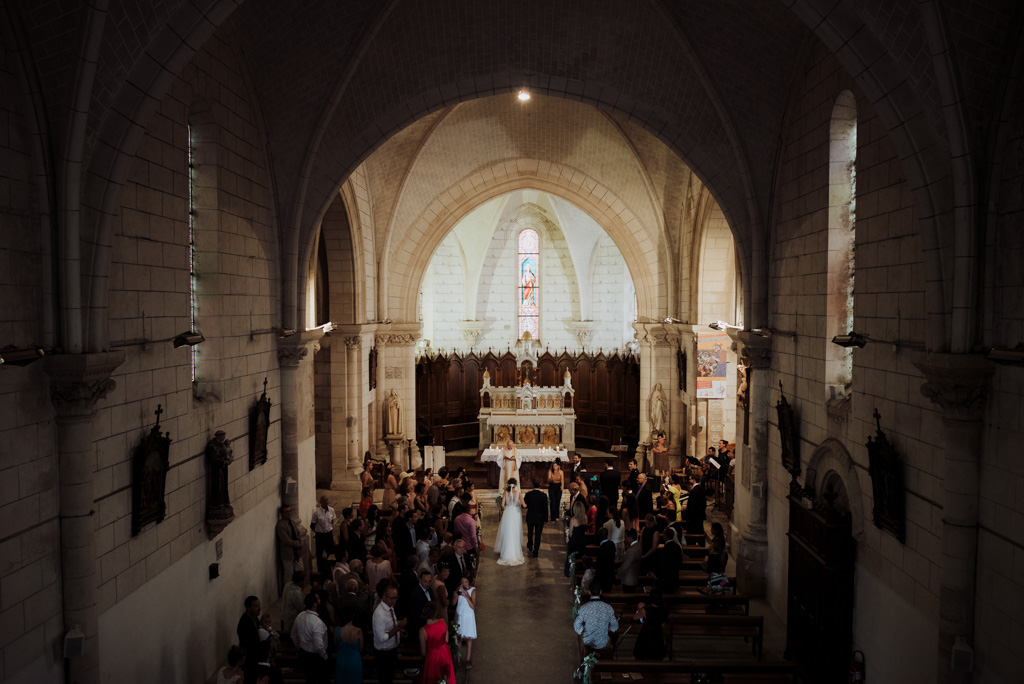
(524, 618)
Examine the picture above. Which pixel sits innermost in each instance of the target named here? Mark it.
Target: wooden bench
(684, 601)
(692, 624)
(689, 671)
(288, 660)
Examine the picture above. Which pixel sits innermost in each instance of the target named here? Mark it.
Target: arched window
(842, 207)
(529, 283)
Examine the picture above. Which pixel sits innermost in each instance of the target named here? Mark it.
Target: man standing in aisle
(309, 634)
(323, 527)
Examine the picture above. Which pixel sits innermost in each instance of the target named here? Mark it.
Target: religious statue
(218, 505)
(393, 411)
(658, 409)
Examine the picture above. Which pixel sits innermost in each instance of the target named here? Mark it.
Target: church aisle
(525, 614)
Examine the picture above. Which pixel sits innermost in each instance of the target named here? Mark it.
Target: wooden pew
(687, 671)
(684, 601)
(700, 625)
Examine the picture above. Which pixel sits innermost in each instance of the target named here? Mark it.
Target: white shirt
(323, 521)
(310, 633)
(383, 622)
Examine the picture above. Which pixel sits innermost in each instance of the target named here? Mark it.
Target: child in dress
(465, 615)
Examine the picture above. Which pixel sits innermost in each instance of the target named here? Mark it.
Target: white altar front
(531, 416)
(493, 455)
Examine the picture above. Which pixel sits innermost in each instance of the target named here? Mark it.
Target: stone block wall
(30, 592)
(897, 596)
(237, 306)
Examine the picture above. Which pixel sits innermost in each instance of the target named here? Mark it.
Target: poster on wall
(711, 364)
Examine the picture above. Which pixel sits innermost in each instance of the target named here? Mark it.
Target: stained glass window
(529, 283)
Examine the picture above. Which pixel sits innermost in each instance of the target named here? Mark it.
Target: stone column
(297, 421)
(377, 428)
(77, 382)
(658, 342)
(959, 385)
(353, 408)
(751, 470)
(400, 375)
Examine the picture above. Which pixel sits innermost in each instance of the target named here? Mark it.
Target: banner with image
(712, 360)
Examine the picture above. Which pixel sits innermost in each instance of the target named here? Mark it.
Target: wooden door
(819, 626)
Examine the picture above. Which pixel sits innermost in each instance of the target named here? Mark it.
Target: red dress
(438, 660)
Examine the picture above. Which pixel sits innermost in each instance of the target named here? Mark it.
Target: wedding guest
(309, 634)
(555, 481)
(232, 673)
(433, 635)
(629, 569)
(650, 640)
(609, 480)
(669, 562)
(630, 511)
(631, 478)
(291, 600)
(577, 532)
(322, 524)
(390, 488)
(440, 588)
(605, 563)
(377, 567)
(348, 664)
(595, 621)
(465, 616)
(387, 631)
(266, 631)
(248, 633)
(616, 533)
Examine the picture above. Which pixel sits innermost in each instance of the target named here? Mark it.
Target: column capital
(78, 381)
(399, 334)
(958, 383)
(755, 351)
(660, 334)
(293, 349)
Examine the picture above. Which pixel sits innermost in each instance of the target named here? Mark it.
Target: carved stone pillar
(959, 385)
(298, 469)
(751, 469)
(353, 410)
(400, 375)
(77, 382)
(659, 343)
(377, 427)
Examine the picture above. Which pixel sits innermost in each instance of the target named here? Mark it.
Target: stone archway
(407, 259)
(831, 462)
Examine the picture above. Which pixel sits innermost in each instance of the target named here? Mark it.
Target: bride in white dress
(509, 542)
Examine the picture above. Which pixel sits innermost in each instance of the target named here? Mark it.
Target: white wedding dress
(509, 542)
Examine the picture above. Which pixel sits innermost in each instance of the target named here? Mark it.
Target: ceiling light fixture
(523, 96)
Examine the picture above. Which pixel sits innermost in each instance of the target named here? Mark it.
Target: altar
(534, 462)
(540, 421)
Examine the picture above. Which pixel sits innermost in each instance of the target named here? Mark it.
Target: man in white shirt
(309, 634)
(387, 632)
(323, 527)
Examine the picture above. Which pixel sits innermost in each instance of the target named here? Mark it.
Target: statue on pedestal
(218, 505)
(393, 413)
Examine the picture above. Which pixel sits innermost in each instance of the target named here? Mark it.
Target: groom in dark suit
(536, 515)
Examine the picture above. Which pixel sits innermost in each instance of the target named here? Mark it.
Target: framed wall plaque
(150, 463)
(886, 472)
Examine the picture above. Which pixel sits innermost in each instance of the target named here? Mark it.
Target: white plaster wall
(444, 296)
(582, 277)
(164, 633)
